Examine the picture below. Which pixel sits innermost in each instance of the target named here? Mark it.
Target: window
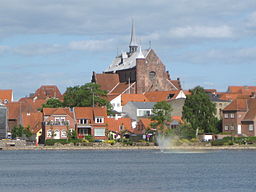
(99, 120)
(145, 112)
(232, 115)
(226, 115)
(6, 101)
(83, 121)
(49, 133)
(63, 133)
(99, 132)
(226, 128)
(232, 127)
(152, 75)
(251, 127)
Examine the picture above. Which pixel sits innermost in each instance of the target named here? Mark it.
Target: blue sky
(204, 42)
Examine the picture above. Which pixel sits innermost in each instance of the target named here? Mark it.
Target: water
(127, 171)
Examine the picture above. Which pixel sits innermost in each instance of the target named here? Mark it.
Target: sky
(51, 42)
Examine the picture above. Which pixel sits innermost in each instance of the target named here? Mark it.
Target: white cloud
(202, 32)
(90, 45)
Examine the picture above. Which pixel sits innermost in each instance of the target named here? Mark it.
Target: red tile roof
(237, 105)
(90, 112)
(233, 96)
(120, 88)
(176, 83)
(115, 124)
(48, 91)
(33, 120)
(6, 94)
(157, 96)
(107, 81)
(57, 111)
(242, 89)
(14, 110)
(125, 98)
(251, 114)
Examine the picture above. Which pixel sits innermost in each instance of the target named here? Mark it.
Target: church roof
(120, 63)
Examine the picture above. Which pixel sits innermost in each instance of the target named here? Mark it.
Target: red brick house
(91, 121)
(117, 127)
(57, 122)
(239, 117)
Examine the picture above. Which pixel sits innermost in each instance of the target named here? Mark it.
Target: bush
(112, 142)
(51, 142)
(89, 138)
(218, 142)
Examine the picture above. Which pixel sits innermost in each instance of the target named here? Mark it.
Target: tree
(20, 131)
(161, 117)
(52, 103)
(199, 112)
(86, 95)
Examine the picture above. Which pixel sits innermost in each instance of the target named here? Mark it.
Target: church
(136, 71)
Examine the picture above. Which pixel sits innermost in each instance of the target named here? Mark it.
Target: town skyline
(202, 43)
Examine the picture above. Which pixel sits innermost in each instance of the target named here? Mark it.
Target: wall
(3, 122)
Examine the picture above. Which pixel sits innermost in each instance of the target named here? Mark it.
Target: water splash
(165, 142)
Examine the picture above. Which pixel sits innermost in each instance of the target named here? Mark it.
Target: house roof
(90, 112)
(176, 83)
(48, 91)
(121, 63)
(157, 96)
(232, 96)
(242, 89)
(237, 105)
(107, 81)
(143, 105)
(146, 122)
(33, 120)
(114, 124)
(125, 98)
(251, 114)
(120, 88)
(14, 110)
(6, 94)
(57, 111)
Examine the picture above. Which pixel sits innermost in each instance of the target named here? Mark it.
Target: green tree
(199, 112)
(52, 103)
(161, 117)
(20, 131)
(86, 95)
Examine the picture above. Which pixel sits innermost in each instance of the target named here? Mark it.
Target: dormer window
(6, 101)
(83, 121)
(99, 120)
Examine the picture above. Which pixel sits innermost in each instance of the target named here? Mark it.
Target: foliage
(20, 131)
(52, 103)
(184, 131)
(71, 134)
(161, 118)
(89, 138)
(61, 141)
(112, 142)
(199, 112)
(86, 95)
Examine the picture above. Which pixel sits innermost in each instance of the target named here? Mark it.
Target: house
(136, 71)
(3, 122)
(233, 115)
(136, 110)
(6, 96)
(34, 121)
(118, 127)
(57, 122)
(249, 120)
(91, 121)
(158, 96)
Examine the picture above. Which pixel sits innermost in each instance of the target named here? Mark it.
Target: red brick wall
(238, 116)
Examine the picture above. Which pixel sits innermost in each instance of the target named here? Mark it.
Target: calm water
(127, 171)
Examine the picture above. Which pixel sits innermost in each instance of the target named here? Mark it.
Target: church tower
(133, 43)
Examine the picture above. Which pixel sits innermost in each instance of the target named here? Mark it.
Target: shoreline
(109, 148)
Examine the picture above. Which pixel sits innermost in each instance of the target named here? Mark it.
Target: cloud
(90, 45)
(201, 32)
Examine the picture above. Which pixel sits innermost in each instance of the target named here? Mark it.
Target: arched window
(49, 133)
(63, 133)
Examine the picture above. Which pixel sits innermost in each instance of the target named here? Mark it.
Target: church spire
(133, 43)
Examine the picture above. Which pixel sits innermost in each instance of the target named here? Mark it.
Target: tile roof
(33, 120)
(125, 98)
(57, 111)
(232, 96)
(6, 94)
(110, 97)
(237, 105)
(251, 114)
(14, 110)
(146, 122)
(107, 81)
(240, 89)
(157, 96)
(90, 112)
(176, 83)
(120, 88)
(48, 91)
(114, 124)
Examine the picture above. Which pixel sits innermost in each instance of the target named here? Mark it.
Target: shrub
(112, 142)
(218, 142)
(89, 138)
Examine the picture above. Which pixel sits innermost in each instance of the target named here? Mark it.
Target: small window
(232, 127)
(226, 128)
(232, 115)
(99, 120)
(49, 133)
(226, 115)
(152, 75)
(251, 127)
